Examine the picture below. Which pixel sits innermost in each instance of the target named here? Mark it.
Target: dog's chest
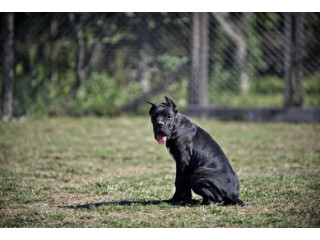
(176, 154)
(168, 148)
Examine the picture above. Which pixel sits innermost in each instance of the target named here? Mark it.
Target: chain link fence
(103, 63)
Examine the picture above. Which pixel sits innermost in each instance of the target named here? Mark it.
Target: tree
(198, 85)
(54, 48)
(81, 66)
(293, 29)
(7, 66)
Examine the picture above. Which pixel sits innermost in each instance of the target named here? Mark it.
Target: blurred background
(55, 64)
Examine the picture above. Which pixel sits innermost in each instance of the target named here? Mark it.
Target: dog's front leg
(182, 194)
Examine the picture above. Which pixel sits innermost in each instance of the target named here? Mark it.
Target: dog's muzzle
(160, 134)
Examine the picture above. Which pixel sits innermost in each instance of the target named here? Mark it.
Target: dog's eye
(169, 116)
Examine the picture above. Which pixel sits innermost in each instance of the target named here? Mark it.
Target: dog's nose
(160, 124)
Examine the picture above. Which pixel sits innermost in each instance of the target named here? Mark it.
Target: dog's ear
(153, 106)
(170, 103)
(151, 103)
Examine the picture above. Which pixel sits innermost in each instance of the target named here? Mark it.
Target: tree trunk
(287, 59)
(81, 69)
(54, 48)
(298, 97)
(7, 66)
(293, 42)
(198, 85)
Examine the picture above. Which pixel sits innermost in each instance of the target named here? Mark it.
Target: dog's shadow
(124, 203)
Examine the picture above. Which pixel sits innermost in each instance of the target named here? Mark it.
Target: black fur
(201, 165)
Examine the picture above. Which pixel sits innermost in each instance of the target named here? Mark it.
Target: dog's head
(163, 117)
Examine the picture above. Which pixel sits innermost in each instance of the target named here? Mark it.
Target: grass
(110, 172)
(274, 100)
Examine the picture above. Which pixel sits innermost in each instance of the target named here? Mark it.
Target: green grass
(258, 100)
(110, 172)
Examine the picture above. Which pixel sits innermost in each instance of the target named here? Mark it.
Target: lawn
(110, 172)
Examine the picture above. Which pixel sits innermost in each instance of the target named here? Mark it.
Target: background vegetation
(124, 55)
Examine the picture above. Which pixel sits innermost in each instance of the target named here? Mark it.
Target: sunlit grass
(110, 172)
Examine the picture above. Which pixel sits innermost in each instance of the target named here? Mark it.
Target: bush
(268, 85)
(100, 94)
(311, 85)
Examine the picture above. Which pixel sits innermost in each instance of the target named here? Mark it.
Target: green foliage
(113, 54)
(311, 85)
(229, 99)
(98, 94)
(169, 63)
(311, 91)
(254, 57)
(265, 92)
(269, 85)
(222, 80)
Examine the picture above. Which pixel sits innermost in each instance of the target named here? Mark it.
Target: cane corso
(201, 165)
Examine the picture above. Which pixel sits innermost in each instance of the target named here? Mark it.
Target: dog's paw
(182, 202)
(206, 201)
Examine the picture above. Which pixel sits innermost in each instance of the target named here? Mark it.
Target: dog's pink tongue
(161, 139)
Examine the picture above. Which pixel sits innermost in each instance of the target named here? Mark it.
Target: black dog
(201, 165)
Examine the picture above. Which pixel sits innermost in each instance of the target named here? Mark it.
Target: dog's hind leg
(209, 192)
(204, 185)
